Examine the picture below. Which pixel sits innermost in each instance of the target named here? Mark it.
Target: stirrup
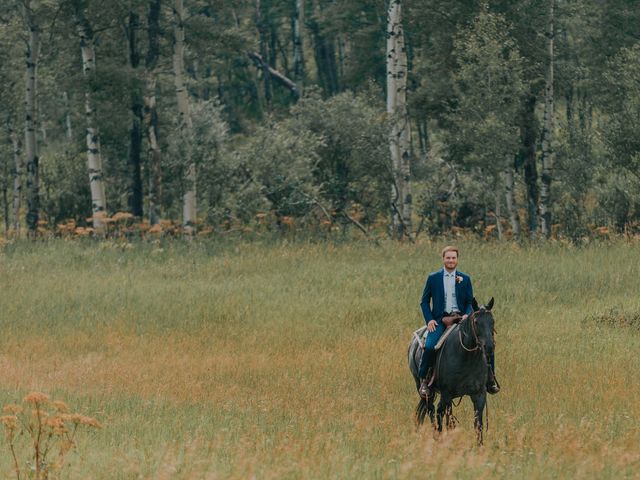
(493, 386)
(423, 391)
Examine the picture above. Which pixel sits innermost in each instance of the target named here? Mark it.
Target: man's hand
(464, 317)
(431, 326)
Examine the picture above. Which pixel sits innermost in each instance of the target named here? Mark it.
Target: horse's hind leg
(479, 402)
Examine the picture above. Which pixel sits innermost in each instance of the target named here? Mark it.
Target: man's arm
(426, 300)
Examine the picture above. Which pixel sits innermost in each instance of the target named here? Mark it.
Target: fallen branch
(277, 76)
(355, 222)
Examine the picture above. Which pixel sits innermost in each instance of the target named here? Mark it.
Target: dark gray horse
(461, 368)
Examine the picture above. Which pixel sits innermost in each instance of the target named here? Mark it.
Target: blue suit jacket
(434, 294)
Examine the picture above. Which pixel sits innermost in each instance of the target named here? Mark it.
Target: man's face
(450, 260)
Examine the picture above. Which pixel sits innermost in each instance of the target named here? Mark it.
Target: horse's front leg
(444, 409)
(479, 402)
(431, 410)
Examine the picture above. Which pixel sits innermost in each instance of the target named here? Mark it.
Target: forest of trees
(505, 118)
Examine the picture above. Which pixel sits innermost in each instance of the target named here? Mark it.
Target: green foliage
(65, 188)
(622, 104)
(473, 66)
(276, 163)
(205, 144)
(489, 86)
(353, 164)
(618, 196)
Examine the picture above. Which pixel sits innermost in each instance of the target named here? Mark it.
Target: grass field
(289, 361)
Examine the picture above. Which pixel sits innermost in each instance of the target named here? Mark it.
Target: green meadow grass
(211, 360)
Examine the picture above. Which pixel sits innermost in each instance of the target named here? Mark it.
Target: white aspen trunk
(150, 114)
(189, 196)
(31, 144)
(548, 155)
(510, 198)
(298, 50)
(498, 217)
(399, 138)
(17, 181)
(94, 158)
(155, 153)
(67, 116)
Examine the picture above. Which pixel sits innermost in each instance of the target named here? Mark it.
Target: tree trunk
(135, 192)
(298, 48)
(511, 209)
(423, 136)
(325, 56)
(5, 199)
(399, 139)
(262, 40)
(528, 131)
(31, 145)
(185, 126)
(67, 116)
(272, 46)
(151, 114)
(547, 134)
(154, 153)
(498, 217)
(341, 56)
(94, 158)
(17, 180)
(135, 175)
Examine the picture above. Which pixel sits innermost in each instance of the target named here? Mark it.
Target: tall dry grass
(289, 361)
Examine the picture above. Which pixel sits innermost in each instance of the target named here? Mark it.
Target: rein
(472, 320)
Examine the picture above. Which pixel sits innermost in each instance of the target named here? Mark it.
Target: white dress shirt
(450, 300)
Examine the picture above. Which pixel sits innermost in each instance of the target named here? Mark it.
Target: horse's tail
(414, 354)
(421, 412)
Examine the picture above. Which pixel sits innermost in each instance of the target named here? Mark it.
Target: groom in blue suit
(447, 293)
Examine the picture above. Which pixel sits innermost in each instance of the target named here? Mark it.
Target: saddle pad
(420, 336)
(444, 336)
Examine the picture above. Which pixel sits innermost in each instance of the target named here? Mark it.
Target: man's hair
(450, 248)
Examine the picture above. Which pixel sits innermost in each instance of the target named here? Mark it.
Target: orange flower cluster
(48, 428)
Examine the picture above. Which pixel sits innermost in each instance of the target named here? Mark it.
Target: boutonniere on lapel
(458, 279)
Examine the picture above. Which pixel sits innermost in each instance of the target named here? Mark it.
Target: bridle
(472, 320)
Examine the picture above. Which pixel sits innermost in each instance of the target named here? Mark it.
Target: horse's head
(484, 324)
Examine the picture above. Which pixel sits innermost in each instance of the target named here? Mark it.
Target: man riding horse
(450, 294)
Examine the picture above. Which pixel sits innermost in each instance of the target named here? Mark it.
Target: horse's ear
(474, 304)
(490, 304)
